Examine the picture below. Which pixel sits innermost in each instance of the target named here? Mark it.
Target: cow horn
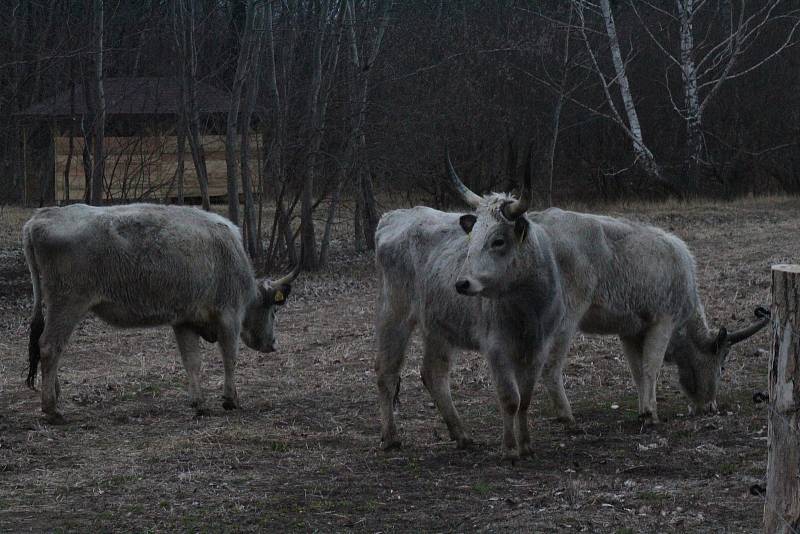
(515, 209)
(289, 277)
(466, 194)
(762, 318)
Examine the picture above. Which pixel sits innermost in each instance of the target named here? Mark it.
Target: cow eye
(497, 243)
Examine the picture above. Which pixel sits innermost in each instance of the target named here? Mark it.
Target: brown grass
(303, 453)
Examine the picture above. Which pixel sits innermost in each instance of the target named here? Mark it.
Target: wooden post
(782, 508)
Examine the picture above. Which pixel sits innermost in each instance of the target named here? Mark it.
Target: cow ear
(467, 222)
(521, 229)
(281, 293)
(273, 295)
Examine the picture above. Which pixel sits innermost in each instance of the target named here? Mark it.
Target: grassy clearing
(303, 453)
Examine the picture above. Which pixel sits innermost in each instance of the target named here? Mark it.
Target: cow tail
(37, 320)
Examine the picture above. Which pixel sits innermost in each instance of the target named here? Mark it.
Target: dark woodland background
(353, 100)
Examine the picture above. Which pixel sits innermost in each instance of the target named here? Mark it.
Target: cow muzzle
(466, 287)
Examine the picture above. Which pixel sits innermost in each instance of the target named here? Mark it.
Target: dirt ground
(303, 453)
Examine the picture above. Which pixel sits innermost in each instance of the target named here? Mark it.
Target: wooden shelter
(141, 143)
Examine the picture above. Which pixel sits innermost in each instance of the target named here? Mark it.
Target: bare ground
(303, 453)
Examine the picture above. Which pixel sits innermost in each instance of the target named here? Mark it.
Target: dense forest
(353, 100)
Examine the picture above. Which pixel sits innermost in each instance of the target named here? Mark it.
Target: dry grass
(303, 453)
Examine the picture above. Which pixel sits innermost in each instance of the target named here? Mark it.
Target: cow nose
(462, 286)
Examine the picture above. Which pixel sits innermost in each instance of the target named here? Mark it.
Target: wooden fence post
(782, 507)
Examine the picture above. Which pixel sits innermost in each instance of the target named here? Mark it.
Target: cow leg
(229, 345)
(436, 377)
(553, 378)
(60, 322)
(656, 341)
(527, 380)
(632, 348)
(508, 396)
(189, 347)
(393, 335)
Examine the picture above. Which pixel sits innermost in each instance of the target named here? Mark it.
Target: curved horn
(289, 277)
(466, 194)
(514, 210)
(762, 318)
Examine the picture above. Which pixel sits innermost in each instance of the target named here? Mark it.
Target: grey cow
(144, 265)
(517, 287)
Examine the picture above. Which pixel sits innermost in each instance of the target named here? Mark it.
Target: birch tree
(628, 118)
(706, 66)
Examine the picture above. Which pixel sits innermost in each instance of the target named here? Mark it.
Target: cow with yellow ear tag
(145, 265)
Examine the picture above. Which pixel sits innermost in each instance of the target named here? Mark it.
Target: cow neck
(697, 331)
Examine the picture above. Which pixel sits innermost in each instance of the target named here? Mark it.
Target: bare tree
(277, 145)
(361, 64)
(706, 66)
(629, 122)
(327, 31)
(99, 115)
(184, 22)
(244, 62)
(563, 88)
(252, 237)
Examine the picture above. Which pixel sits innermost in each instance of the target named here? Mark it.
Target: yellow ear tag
(279, 297)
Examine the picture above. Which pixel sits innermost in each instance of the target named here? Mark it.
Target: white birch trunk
(694, 119)
(643, 155)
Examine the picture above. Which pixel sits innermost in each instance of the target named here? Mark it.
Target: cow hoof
(465, 443)
(510, 457)
(566, 420)
(391, 445)
(526, 450)
(231, 404)
(55, 418)
(648, 419)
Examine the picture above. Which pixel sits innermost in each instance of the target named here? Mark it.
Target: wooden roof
(133, 96)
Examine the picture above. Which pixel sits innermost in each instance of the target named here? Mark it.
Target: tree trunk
(782, 509)
(326, 237)
(369, 207)
(98, 172)
(644, 157)
(694, 119)
(308, 242)
(184, 34)
(253, 239)
(366, 205)
(551, 154)
(181, 152)
(243, 65)
(71, 152)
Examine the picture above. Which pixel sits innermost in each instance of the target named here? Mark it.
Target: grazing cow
(144, 265)
(517, 287)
